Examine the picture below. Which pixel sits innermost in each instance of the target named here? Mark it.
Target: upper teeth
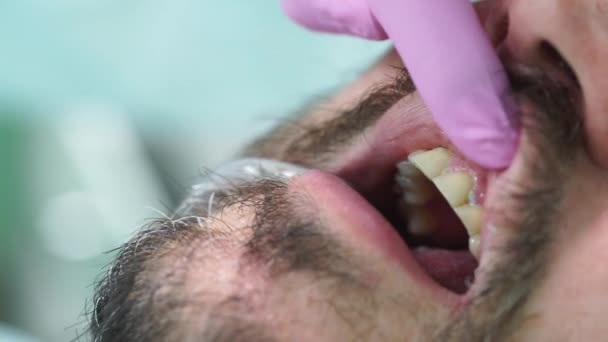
(470, 215)
(455, 186)
(417, 189)
(431, 163)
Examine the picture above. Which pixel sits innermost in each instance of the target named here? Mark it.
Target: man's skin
(309, 259)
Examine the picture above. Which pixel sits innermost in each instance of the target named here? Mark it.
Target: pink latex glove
(449, 57)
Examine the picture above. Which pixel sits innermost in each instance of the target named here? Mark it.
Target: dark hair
(145, 294)
(138, 299)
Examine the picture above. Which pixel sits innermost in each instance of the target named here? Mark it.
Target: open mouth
(434, 204)
(432, 197)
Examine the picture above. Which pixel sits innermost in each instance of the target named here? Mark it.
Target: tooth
(420, 196)
(409, 170)
(420, 221)
(475, 245)
(431, 163)
(455, 187)
(470, 216)
(414, 186)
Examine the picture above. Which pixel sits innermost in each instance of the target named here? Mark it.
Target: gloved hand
(335, 16)
(449, 57)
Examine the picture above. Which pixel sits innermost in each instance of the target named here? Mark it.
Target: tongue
(453, 270)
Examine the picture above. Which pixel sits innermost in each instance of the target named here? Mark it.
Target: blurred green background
(109, 109)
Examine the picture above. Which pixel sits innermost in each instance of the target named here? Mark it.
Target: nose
(578, 31)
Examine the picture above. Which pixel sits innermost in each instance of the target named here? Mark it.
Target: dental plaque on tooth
(429, 191)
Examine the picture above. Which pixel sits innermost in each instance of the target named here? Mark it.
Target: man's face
(370, 239)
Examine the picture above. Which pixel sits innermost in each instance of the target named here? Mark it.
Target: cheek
(306, 307)
(573, 300)
(301, 307)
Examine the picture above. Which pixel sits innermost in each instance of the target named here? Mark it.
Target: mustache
(315, 144)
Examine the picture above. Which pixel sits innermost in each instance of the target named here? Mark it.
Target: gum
(480, 179)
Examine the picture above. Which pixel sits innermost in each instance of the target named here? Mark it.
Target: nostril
(499, 29)
(552, 56)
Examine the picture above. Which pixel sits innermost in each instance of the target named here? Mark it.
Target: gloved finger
(457, 73)
(351, 17)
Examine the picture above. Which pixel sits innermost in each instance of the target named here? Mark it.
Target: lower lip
(339, 203)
